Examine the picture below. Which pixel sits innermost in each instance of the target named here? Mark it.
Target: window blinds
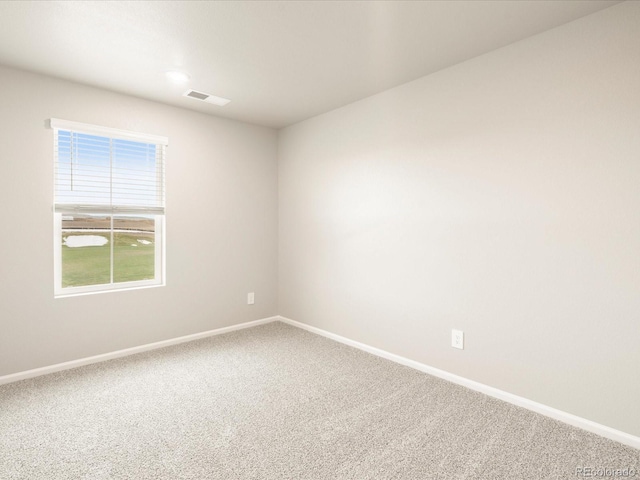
(104, 170)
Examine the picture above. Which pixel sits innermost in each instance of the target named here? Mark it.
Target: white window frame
(159, 214)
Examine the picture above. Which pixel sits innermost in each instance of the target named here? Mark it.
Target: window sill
(124, 288)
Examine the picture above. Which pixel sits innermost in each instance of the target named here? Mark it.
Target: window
(108, 208)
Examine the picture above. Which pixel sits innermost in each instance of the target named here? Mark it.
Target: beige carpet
(277, 402)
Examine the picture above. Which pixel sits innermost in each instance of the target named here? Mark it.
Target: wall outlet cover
(457, 339)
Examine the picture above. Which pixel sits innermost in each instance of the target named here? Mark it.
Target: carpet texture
(277, 402)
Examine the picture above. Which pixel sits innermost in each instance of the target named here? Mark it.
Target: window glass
(133, 248)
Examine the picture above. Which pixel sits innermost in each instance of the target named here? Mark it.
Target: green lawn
(91, 265)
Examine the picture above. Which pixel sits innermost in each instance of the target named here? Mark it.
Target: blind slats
(107, 174)
(108, 210)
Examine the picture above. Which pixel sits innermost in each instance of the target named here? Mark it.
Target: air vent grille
(205, 97)
(198, 95)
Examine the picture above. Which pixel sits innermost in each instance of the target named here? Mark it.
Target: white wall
(221, 226)
(501, 197)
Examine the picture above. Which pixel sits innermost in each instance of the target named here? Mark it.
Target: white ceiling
(279, 62)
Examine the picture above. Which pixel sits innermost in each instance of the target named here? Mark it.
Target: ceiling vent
(205, 97)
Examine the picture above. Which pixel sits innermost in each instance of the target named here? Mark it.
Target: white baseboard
(565, 417)
(554, 413)
(36, 372)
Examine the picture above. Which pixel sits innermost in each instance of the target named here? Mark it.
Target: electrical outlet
(457, 339)
(251, 298)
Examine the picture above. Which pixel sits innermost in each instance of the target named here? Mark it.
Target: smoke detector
(205, 97)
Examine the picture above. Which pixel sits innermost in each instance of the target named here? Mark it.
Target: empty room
(320, 240)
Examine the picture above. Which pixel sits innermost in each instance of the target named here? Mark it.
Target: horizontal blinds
(106, 174)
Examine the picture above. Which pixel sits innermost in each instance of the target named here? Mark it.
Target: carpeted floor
(277, 402)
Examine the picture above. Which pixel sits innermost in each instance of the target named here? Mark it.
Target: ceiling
(279, 62)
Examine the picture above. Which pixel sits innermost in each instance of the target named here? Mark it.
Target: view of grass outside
(86, 249)
(132, 263)
(82, 266)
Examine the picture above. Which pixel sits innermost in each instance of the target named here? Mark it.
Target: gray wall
(221, 226)
(501, 197)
